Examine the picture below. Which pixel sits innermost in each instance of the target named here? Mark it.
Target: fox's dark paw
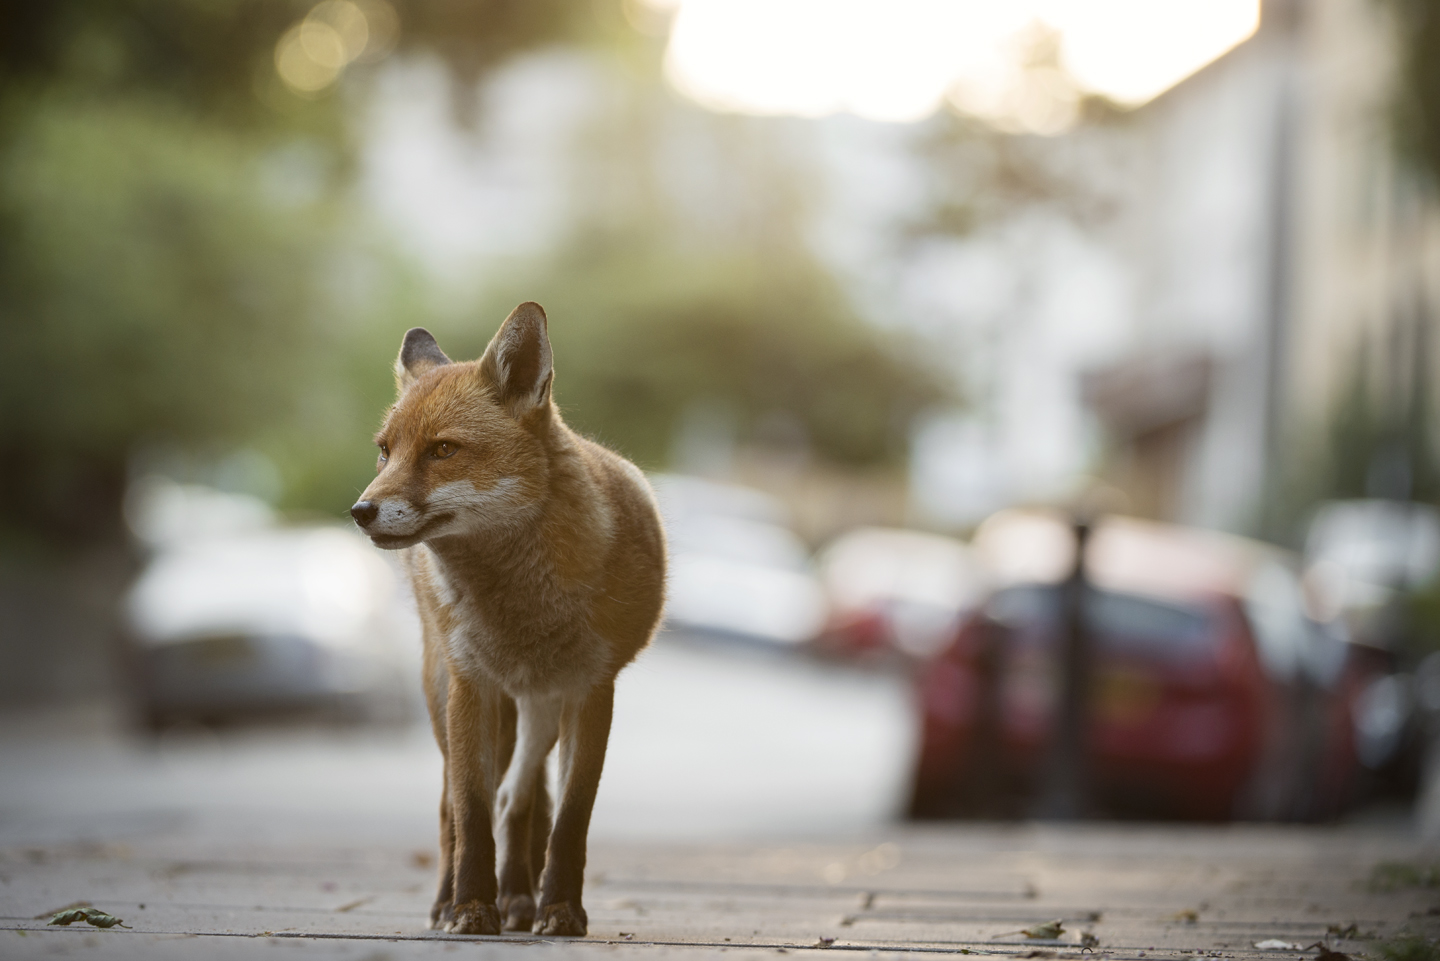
(564, 920)
(518, 910)
(441, 912)
(475, 917)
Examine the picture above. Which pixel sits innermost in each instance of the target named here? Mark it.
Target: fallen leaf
(1349, 931)
(824, 942)
(1324, 953)
(1189, 916)
(352, 905)
(91, 916)
(1048, 931)
(1275, 944)
(1088, 941)
(54, 911)
(1037, 953)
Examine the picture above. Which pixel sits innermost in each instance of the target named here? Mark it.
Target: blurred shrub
(170, 245)
(642, 333)
(151, 289)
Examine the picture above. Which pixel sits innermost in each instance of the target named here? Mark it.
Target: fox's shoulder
(614, 472)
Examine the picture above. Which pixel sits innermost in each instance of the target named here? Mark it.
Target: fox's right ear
(418, 354)
(518, 361)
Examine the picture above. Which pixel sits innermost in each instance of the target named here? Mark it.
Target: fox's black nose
(364, 513)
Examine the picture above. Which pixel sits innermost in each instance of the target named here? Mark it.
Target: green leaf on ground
(1396, 875)
(1408, 948)
(91, 916)
(1048, 931)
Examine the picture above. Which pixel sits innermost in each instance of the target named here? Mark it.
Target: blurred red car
(893, 593)
(1211, 696)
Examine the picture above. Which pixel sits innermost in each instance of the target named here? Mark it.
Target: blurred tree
(687, 280)
(170, 217)
(643, 335)
(149, 289)
(1417, 96)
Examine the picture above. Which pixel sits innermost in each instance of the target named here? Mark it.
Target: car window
(1122, 623)
(1126, 623)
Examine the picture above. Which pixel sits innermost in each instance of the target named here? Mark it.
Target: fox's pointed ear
(518, 362)
(418, 353)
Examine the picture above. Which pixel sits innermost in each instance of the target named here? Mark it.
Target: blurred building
(1276, 244)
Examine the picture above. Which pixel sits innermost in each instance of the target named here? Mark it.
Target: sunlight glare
(899, 60)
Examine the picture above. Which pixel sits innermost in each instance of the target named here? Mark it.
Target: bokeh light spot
(335, 33)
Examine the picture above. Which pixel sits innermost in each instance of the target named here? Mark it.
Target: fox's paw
(518, 910)
(564, 920)
(475, 917)
(441, 914)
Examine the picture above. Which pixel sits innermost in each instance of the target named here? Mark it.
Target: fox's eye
(443, 450)
(384, 456)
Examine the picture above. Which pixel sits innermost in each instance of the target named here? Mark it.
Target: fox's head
(463, 446)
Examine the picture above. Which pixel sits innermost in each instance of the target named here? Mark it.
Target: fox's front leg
(585, 730)
(470, 732)
(537, 726)
(442, 912)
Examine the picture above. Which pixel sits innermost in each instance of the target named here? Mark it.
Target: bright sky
(899, 60)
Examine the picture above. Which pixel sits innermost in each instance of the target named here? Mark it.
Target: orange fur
(538, 565)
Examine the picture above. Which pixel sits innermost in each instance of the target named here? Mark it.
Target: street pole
(1065, 790)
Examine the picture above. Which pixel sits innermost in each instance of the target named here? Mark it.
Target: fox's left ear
(518, 362)
(418, 353)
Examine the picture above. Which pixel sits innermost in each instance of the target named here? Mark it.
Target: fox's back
(630, 603)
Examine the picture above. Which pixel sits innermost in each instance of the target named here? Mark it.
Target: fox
(537, 560)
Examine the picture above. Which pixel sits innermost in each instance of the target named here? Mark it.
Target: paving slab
(1144, 892)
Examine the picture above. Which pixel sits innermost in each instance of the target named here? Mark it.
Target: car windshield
(1121, 623)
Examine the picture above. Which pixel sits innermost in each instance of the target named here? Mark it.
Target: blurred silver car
(235, 616)
(736, 568)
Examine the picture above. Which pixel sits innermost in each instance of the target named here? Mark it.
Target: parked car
(736, 568)
(1212, 694)
(235, 616)
(894, 592)
(1365, 562)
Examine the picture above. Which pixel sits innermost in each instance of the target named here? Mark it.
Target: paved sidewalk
(1145, 892)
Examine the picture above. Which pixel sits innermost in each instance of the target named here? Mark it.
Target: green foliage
(1416, 112)
(1411, 947)
(1399, 875)
(212, 53)
(170, 231)
(148, 288)
(1374, 441)
(642, 334)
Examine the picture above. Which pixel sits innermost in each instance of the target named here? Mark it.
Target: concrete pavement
(1144, 892)
(747, 809)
